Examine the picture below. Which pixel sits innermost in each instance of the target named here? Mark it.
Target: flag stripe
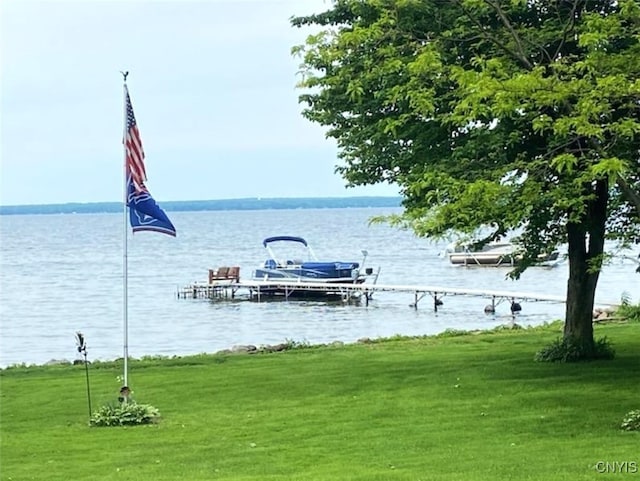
(135, 152)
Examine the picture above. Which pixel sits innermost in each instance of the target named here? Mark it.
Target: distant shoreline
(253, 203)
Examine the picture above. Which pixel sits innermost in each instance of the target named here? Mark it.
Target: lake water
(63, 273)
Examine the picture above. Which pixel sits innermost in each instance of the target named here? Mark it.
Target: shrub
(631, 421)
(450, 332)
(291, 345)
(628, 310)
(124, 414)
(563, 350)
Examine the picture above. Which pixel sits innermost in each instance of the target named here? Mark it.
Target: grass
(451, 407)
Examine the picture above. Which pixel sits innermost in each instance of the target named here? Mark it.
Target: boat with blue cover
(310, 269)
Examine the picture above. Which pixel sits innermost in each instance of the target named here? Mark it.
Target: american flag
(135, 153)
(144, 212)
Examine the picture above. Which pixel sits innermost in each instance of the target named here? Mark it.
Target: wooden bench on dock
(224, 274)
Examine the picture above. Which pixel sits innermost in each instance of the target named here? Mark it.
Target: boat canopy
(284, 238)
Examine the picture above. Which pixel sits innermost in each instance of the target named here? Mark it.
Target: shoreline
(256, 349)
(600, 317)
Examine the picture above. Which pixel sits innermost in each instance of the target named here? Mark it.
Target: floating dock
(259, 290)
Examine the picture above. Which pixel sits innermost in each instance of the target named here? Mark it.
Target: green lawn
(472, 407)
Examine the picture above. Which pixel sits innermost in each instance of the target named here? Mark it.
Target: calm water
(63, 273)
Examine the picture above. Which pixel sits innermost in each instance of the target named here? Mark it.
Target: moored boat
(309, 270)
(493, 254)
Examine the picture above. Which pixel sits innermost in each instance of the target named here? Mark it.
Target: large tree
(501, 115)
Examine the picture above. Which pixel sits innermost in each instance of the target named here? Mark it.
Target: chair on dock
(234, 273)
(224, 274)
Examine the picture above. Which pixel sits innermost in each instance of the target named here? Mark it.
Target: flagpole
(142, 211)
(125, 276)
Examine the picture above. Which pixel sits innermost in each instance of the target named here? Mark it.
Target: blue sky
(213, 88)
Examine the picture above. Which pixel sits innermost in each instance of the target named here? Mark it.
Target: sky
(212, 83)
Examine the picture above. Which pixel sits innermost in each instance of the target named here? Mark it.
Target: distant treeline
(199, 205)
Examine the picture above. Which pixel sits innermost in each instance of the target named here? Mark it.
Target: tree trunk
(581, 290)
(586, 245)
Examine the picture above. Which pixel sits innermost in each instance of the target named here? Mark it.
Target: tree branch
(567, 28)
(492, 38)
(505, 21)
(628, 191)
(631, 195)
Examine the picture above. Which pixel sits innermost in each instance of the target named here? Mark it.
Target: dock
(259, 290)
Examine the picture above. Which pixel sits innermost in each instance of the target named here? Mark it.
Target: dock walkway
(258, 290)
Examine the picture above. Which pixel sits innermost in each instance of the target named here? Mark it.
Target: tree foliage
(494, 115)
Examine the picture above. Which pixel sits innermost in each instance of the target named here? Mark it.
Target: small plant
(506, 327)
(452, 333)
(631, 421)
(625, 298)
(125, 414)
(563, 350)
(628, 310)
(291, 344)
